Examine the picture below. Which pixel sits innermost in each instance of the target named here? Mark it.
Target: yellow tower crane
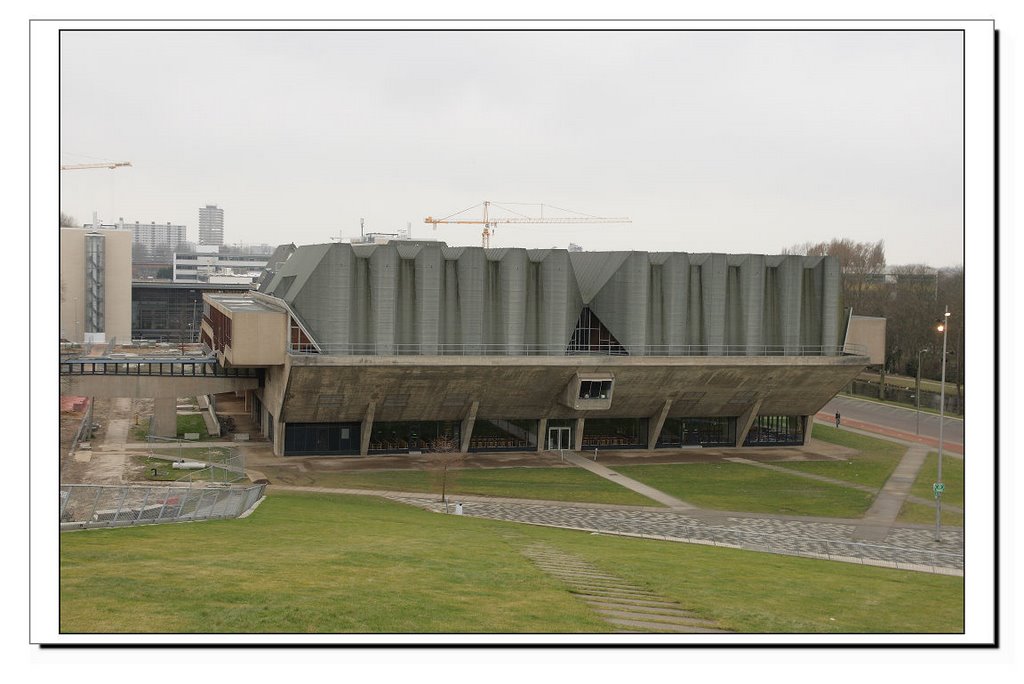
(103, 165)
(490, 222)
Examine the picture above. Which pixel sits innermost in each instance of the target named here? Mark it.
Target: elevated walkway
(154, 377)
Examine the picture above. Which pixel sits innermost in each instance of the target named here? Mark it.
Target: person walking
(837, 420)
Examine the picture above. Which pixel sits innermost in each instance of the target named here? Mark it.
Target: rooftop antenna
(361, 228)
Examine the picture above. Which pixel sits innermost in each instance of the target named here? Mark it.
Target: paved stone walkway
(627, 482)
(619, 603)
(886, 508)
(910, 548)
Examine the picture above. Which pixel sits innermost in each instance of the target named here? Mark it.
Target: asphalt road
(897, 418)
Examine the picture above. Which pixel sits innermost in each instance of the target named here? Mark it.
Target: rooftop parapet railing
(547, 350)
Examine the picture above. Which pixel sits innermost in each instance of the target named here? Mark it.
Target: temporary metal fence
(85, 428)
(218, 468)
(358, 349)
(85, 506)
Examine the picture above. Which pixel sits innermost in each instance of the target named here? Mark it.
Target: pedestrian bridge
(152, 377)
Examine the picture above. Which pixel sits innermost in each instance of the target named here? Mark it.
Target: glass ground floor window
(776, 431)
(422, 435)
(682, 432)
(321, 439)
(503, 435)
(614, 433)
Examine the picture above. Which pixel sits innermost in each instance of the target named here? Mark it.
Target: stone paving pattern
(909, 548)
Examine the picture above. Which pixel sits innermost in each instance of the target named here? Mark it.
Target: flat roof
(238, 302)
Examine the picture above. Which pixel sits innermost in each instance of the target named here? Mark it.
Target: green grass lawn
(192, 423)
(952, 477)
(872, 466)
(740, 487)
(552, 484)
(307, 563)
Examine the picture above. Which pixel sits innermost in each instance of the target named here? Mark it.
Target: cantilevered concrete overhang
(318, 388)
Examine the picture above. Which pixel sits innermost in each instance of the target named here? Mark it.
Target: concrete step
(632, 607)
(663, 627)
(655, 617)
(631, 601)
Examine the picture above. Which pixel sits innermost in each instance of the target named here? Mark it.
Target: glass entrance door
(559, 438)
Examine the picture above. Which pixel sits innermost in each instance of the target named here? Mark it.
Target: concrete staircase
(625, 606)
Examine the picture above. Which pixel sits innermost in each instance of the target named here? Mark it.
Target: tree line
(912, 299)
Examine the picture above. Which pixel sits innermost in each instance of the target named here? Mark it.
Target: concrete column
(366, 429)
(577, 438)
(655, 423)
(279, 428)
(808, 425)
(746, 420)
(165, 417)
(542, 434)
(467, 427)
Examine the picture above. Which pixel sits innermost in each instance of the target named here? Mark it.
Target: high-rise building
(211, 225)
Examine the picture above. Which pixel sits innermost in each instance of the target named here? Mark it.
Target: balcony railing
(547, 350)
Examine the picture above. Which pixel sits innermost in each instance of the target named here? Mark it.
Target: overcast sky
(709, 141)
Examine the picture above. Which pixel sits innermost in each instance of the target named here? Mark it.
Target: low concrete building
(404, 346)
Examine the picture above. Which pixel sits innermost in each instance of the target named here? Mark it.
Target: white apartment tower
(211, 225)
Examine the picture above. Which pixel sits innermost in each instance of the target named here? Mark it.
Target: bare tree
(445, 456)
(67, 220)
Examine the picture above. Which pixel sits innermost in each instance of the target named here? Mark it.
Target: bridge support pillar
(165, 417)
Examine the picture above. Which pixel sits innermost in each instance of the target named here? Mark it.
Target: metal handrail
(177, 367)
(403, 349)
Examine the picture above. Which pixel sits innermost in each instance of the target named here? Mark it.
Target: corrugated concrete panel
(752, 300)
(675, 288)
(713, 279)
(370, 295)
(513, 271)
(831, 302)
(323, 300)
(383, 295)
(790, 284)
(472, 270)
(622, 302)
(560, 300)
(594, 269)
(429, 300)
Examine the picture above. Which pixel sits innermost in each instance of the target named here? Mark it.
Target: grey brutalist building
(408, 346)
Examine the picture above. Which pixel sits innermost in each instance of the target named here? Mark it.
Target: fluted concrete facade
(423, 296)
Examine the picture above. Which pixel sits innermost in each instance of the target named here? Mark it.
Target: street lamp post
(917, 391)
(938, 486)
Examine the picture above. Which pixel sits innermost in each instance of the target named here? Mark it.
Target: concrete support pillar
(542, 434)
(655, 423)
(467, 427)
(577, 438)
(808, 425)
(746, 420)
(247, 400)
(165, 417)
(279, 428)
(366, 429)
